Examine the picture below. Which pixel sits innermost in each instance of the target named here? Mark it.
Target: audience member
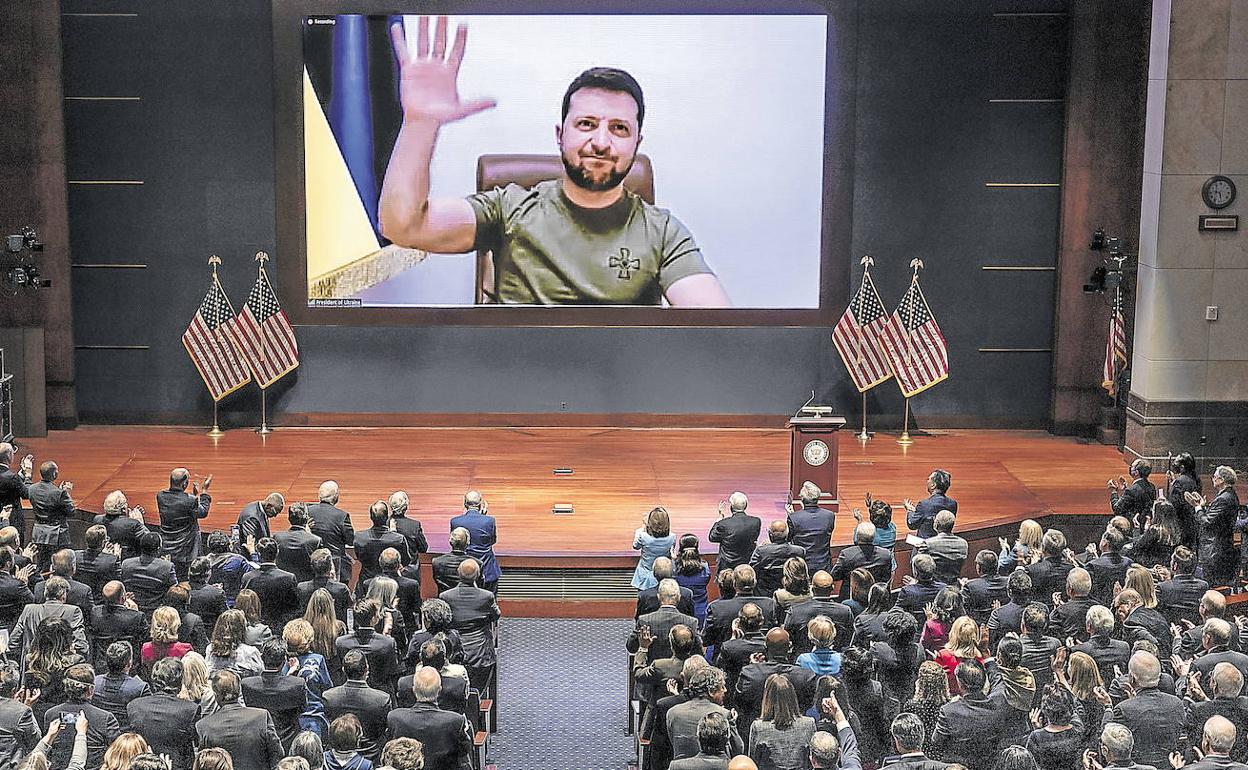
(706, 696)
(26, 630)
(15, 485)
(1008, 618)
(898, 656)
(811, 527)
(253, 520)
(947, 549)
(769, 558)
(411, 530)
(52, 507)
(794, 587)
(333, 526)
(659, 623)
(283, 696)
(748, 695)
(116, 688)
(1134, 501)
(1155, 718)
(692, 574)
(969, 729)
(148, 576)
(1048, 574)
(276, 588)
(780, 737)
(1070, 616)
(378, 647)
(908, 738)
(296, 545)
(445, 737)
(474, 614)
(1027, 544)
(206, 599)
(648, 598)
(483, 534)
(921, 517)
(864, 553)
(721, 614)
(122, 524)
(247, 734)
(229, 649)
(918, 592)
(228, 566)
(258, 632)
(446, 566)
(370, 706)
(166, 721)
(931, 692)
(19, 730)
(370, 543)
(1217, 518)
(180, 513)
(102, 727)
(737, 533)
(323, 566)
(712, 746)
(345, 733)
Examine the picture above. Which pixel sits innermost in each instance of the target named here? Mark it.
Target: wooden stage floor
(619, 474)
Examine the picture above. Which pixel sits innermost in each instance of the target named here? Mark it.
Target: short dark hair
(167, 675)
(379, 513)
(150, 543)
(201, 568)
(355, 664)
(970, 675)
(267, 548)
(941, 480)
(345, 733)
(322, 562)
(607, 79)
(986, 562)
(713, 733)
(908, 731)
(1114, 539)
(297, 514)
(1036, 618)
(1183, 462)
(367, 612)
(1183, 560)
(274, 653)
(225, 685)
(1019, 585)
(433, 654)
(97, 535)
(118, 656)
(1057, 705)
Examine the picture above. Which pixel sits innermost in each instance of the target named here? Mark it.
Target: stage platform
(999, 477)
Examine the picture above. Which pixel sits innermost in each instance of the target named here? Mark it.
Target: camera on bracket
(18, 265)
(1109, 274)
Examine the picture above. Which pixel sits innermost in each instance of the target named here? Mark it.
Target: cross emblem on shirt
(624, 263)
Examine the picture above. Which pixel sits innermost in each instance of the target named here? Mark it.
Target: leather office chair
(526, 171)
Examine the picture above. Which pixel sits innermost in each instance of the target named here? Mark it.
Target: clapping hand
(909, 580)
(721, 507)
(1176, 759)
(909, 505)
(673, 687)
(758, 657)
(1004, 545)
(67, 486)
(23, 573)
(136, 513)
(28, 465)
(1194, 690)
(1091, 550)
(1058, 601)
(1090, 761)
(929, 610)
(30, 550)
(1194, 499)
(645, 638)
(1102, 695)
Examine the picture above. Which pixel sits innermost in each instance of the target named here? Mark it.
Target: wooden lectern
(814, 455)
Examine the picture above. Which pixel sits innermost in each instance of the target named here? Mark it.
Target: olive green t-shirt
(550, 251)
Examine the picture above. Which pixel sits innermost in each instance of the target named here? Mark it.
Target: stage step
(566, 584)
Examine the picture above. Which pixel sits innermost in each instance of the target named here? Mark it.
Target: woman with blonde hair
(229, 649)
(257, 631)
(311, 668)
(326, 625)
(126, 747)
(1030, 534)
(1082, 677)
(653, 538)
(386, 591)
(195, 686)
(931, 691)
(963, 645)
(1141, 580)
(166, 625)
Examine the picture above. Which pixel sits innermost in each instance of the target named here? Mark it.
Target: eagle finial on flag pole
(867, 261)
(262, 257)
(917, 264)
(214, 260)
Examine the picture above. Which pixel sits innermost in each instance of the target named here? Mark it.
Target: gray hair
(115, 502)
(907, 730)
(1226, 473)
(328, 492)
(426, 684)
(669, 591)
(460, 538)
(1118, 742)
(1100, 620)
(864, 533)
(705, 681)
(825, 750)
(473, 499)
(6, 453)
(809, 493)
(398, 503)
(737, 501)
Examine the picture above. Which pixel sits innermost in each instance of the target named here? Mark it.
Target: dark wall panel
(928, 138)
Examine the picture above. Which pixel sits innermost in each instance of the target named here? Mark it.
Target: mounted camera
(17, 265)
(1109, 274)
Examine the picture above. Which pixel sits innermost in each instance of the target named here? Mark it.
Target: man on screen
(581, 239)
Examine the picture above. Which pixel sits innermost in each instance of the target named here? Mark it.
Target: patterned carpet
(561, 686)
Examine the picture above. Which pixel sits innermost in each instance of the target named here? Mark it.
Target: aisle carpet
(561, 695)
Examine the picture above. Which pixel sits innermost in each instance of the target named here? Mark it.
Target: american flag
(857, 337)
(265, 335)
(915, 346)
(207, 341)
(1115, 351)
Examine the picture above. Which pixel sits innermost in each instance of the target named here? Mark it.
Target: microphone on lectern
(808, 403)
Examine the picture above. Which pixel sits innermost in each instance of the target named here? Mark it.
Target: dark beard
(580, 177)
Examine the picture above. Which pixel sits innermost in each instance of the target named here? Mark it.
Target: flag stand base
(264, 428)
(216, 431)
(905, 439)
(863, 436)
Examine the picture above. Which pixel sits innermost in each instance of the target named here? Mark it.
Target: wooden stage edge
(619, 473)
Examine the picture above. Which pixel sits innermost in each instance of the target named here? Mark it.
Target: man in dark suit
(474, 612)
(1220, 697)
(968, 729)
(863, 553)
(166, 721)
(734, 654)
(1155, 718)
(979, 593)
(454, 694)
(811, 528)
(1212, 605)
(1104, 650)
(411, 530)
(101, 727)
(769, 558)
(705, 687)
(147, 575)
(325, 569)
(56, 591)
(97, 564)
(921, 516)
(1135, 502)
(650, 678)
(333, 526)
(285, 697)
(379, 648)
(253, 520)
(207, 600)
(1215, 641)
(19, 730)
(390, 564)
(1216, 743)
(15, 485)
(1140, 622)
(737, 534)
(1048, 576)
(247, 733)
(1070, 616)
(445, 735)
(62, 563)
(1182, 478)
(179, 518)
(1218, 557)
(1008, 618)
(654, 729)
(648, 598)
(914, 597)
(482, 535)
(1179, 597)
(721, 613)
(842, 617)
(14, 593)
(275, 587)
(1118, 746)
(660, 622)
(116, 619)
(947, 549)
(446, 566)
(371, 542)
(123, 525)
(369, 705)
(748, 696)
(52, 507)
(712, 746)
(1110, 567)
(908, 738)
(295, 545)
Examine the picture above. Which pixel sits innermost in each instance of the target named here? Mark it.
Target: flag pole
(867, 261)
(216, 431)
(264, 429)
(864, 436)
(905, 439)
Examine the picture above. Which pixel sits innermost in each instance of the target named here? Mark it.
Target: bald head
(1213, 604)
(178, 478)
(1219, 735)
(741, 762)
(468, 571)
(821, 584)
(778, 531)
(1227, 680)
(114, 592)
(274, 504)
(777, 643)
(1145, 669)
(328, 492)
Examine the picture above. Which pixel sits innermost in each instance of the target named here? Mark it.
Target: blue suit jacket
(925, 513)
(482, 533)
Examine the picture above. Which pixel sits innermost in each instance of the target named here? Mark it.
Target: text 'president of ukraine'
(582, 239)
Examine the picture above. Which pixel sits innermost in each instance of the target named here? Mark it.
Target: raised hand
(427, 81)
(644, 638)
(1102, 695)
(23, 573)
(1195, 499)
(1176, 759)
(1090, 761)
(858, 514)
(207, 482)
(68, 486)
(1181, 667)
(909, 504)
